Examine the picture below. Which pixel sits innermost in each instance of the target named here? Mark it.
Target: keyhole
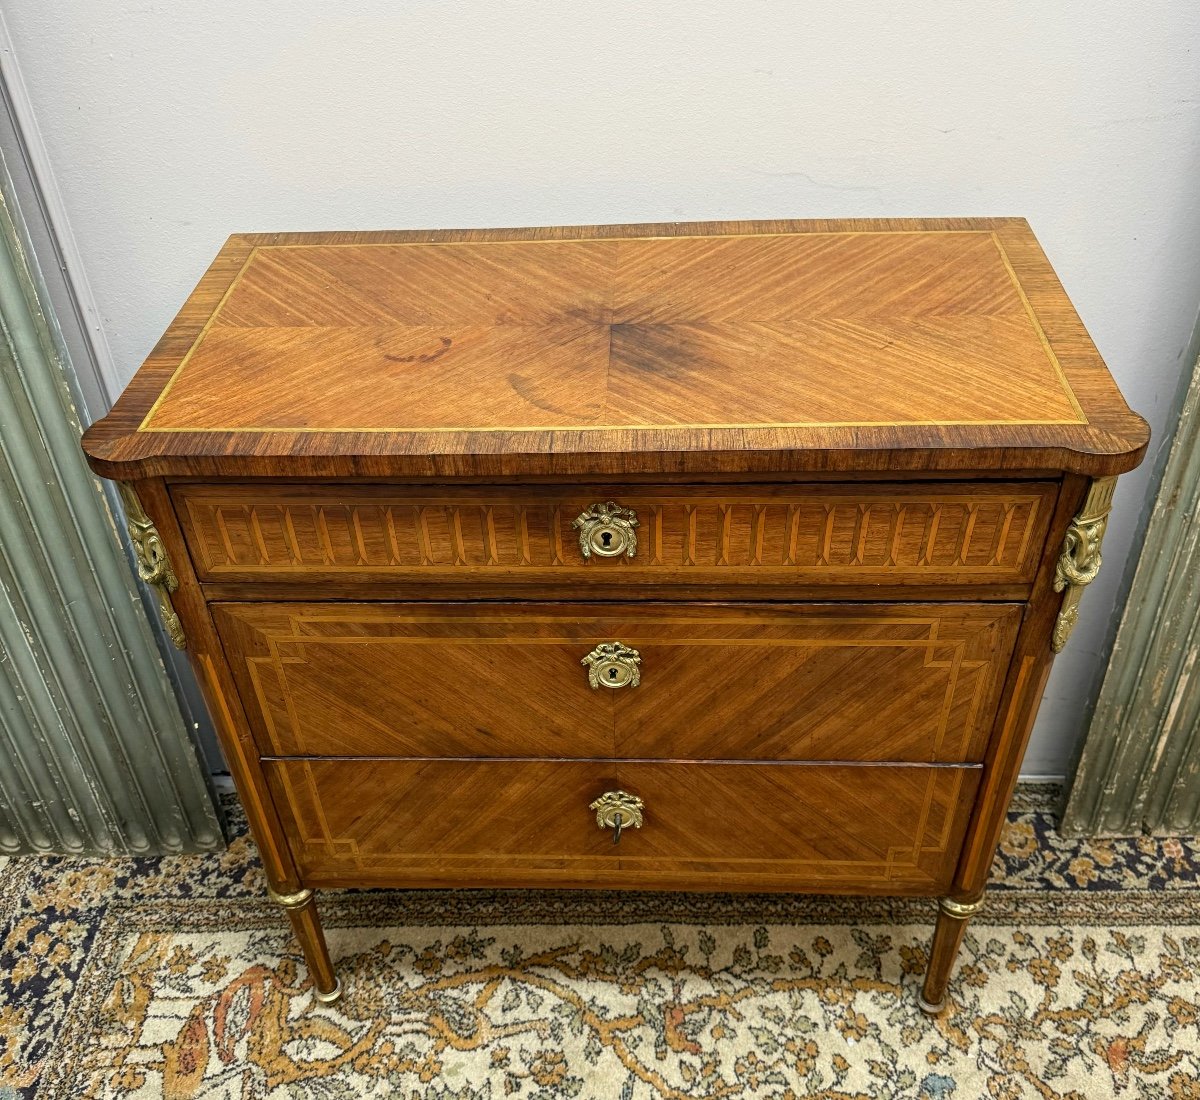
(612, 673)
(606, 538)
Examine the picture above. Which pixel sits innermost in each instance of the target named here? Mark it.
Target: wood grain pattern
(707, 827)
(306, 927)
(782, 346)
(866, 410)
(238, 746)
(947, 939)
(913, 682)
(1019, 703)
(780, 330)
(766, 534)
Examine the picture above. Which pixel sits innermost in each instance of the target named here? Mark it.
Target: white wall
(170, 125)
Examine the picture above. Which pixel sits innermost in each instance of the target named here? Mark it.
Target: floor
(173, 977)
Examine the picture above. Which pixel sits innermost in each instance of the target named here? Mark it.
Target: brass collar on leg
(960, 910)
(298, 900)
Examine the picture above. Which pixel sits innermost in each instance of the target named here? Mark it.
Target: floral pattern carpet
(175, 978)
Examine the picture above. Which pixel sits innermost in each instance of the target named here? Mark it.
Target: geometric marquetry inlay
(910, 346)
(432, 496)
(820, 534)
(915, 682)
(746, 330)
(782, 827)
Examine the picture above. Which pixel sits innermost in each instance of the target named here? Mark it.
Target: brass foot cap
(931, 1009)
(330, 997)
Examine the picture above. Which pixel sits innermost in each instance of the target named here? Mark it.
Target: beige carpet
(174, 978)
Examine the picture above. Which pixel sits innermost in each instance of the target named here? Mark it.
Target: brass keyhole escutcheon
(607, 530)
(618, 810)
(613, 665)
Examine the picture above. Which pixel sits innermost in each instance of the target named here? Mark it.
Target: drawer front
(906, 682)
(932, 534)
(705, 826)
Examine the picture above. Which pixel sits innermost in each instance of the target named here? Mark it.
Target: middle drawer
(908, 682)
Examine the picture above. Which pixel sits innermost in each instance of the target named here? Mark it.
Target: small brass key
(616, 809)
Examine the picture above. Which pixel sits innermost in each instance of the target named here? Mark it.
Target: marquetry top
(732, 347)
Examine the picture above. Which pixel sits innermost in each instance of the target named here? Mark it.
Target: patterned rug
(173, 977)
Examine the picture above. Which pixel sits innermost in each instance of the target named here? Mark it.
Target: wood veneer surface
(910, 682)
(942, 344)
(707, 826)
(932, 533)
(876, 411)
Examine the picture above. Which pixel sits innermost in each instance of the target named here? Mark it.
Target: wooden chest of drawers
(689, 557)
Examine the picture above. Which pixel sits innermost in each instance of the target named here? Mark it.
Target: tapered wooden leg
(947, 938)
(306, 923)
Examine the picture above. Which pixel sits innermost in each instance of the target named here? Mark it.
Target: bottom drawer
(707, 826)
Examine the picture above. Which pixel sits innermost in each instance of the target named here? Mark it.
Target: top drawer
(945, 533)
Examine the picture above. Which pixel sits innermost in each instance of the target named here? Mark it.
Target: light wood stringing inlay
(917, 683)
(816, 411)
(784, 330)
(969, 534)
(780, 826)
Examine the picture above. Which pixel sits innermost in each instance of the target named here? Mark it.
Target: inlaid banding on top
(785, 330)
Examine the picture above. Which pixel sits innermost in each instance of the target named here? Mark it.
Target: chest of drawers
(697, 557)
